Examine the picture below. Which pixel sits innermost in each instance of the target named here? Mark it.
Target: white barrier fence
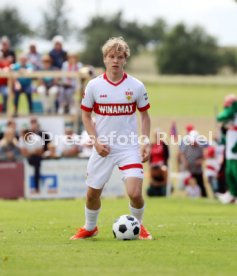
(65, 178)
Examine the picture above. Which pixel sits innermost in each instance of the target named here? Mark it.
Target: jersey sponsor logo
(115, 109)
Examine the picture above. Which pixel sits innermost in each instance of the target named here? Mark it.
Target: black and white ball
(126, 227)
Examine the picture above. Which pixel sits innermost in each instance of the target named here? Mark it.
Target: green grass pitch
(187, 99)
(175, 99)
(192, 237)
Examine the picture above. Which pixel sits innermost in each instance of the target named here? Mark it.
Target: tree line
(177, 49)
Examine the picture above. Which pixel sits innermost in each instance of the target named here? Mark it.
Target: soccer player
(114, 97)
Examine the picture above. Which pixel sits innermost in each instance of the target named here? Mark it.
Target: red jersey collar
(115, 83)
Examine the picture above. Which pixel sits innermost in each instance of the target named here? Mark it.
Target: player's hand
(145, 153)
(103, 150)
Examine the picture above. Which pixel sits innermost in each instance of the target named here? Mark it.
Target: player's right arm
(87, 108)
(103, 150)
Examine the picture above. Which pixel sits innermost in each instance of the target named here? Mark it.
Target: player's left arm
(145, 131)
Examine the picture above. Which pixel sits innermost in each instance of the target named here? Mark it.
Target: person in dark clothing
(157, 186)
(33, 152)
(35, 128)
(9, 150)
(58, 54)
(7, 52)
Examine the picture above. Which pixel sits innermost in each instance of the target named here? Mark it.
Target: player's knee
(135, 197)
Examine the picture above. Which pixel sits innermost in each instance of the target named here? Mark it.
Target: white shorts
(99, 169)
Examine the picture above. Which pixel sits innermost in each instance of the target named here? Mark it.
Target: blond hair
(118, 44)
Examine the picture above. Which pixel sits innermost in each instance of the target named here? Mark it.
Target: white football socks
(137, 213)
(91, 218)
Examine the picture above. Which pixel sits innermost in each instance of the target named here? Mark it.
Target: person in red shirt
(159, 156)
(159, 151)
(4, 66)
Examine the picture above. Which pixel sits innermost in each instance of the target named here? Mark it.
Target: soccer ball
(126, 227)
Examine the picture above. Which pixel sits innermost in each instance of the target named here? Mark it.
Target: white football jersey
(115, 106)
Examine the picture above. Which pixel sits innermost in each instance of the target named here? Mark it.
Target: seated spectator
(159, 156)
(212, 167)
(69, 85)
(192, 189)
(9, 150)
(22, 85)
(48, 88)
(180, 164)
(51, 152)
(4, 66)
(70, 144)
(33, 57)
(58, 54)
(31, 146)
(158, 182)
(6, 50)
(9, 124)
(192, 157)
(159, 150)
(12, 124)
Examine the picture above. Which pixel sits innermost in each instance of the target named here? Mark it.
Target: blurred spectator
(181, 165)
(8, 53)
(174, 131)
(58, 54)
(70, 144)
(69, 85)
(51, 152)
(31, 146)
(159, 150)
(4, 66)
(12, 124)
(192, 189)
(33, 57)
(158, 182)
(48, 89)
(192, 157)
(159, 156)
(189, 128)
(35, 128)
(222, 185)
(22, 85)
(9, 150)
(212, 167)
(86, 145)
